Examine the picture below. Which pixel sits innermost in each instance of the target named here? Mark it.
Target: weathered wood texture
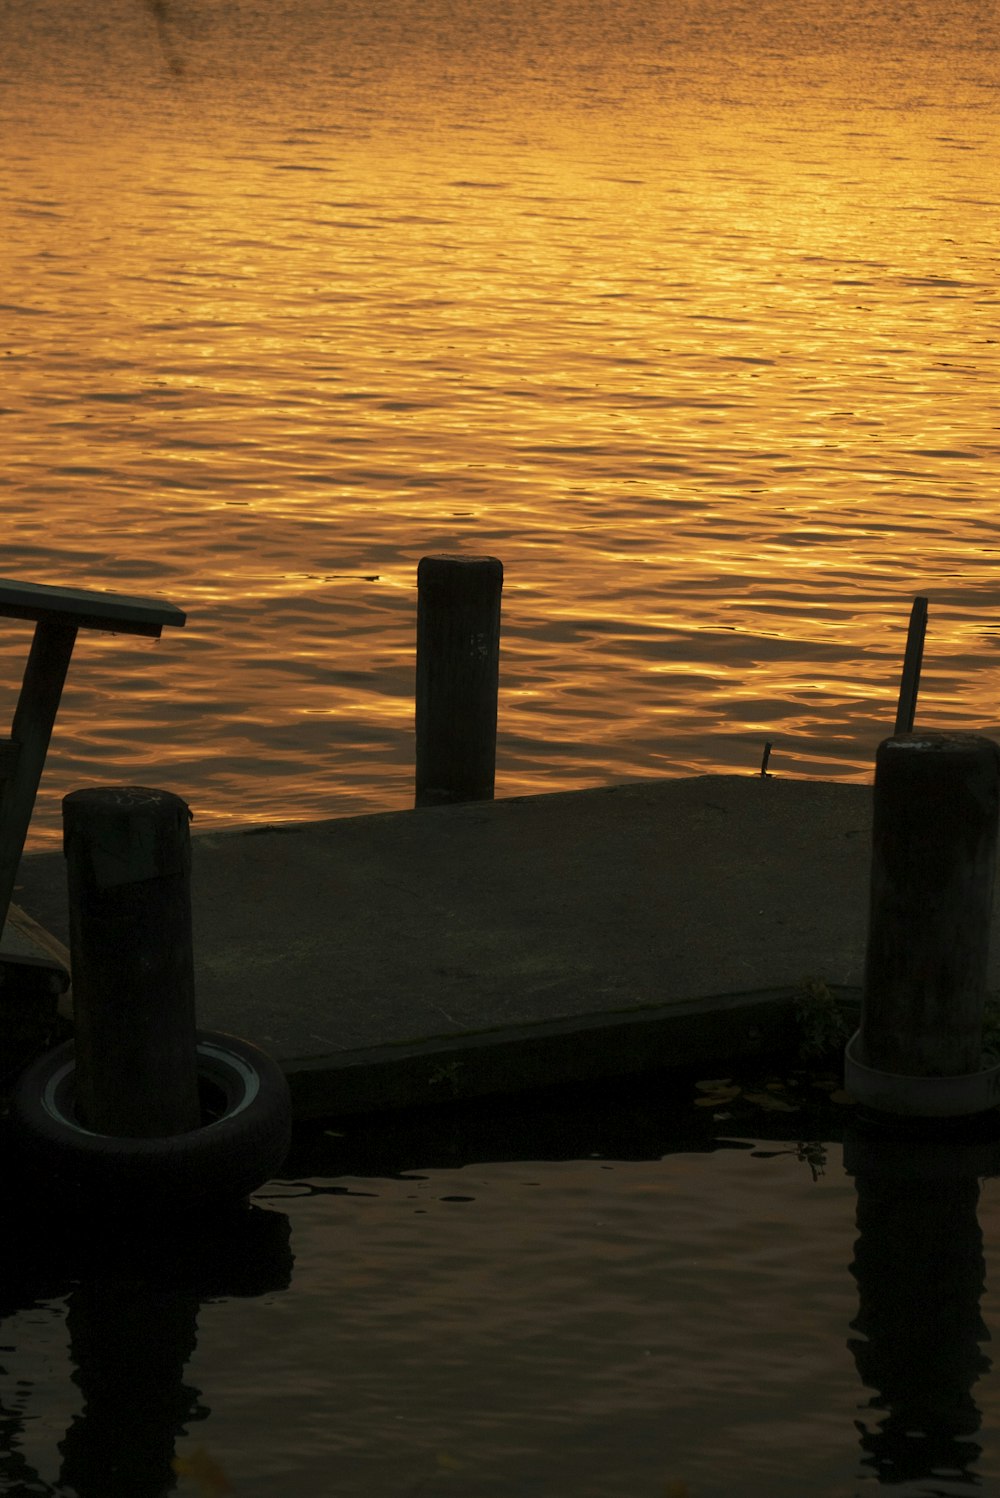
(458, 664)
(128, 866)
(934, 850)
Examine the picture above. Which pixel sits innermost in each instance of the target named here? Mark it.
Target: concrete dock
(410, 956)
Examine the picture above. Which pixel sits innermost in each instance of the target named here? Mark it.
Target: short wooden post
(933, 863)
(909, 684)
(458, 667)
(128, 865)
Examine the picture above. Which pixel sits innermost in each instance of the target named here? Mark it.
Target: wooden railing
(58, 614)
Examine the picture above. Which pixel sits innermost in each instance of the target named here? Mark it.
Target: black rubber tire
(242, 1143)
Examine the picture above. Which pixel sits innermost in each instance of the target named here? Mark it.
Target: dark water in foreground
(578, 1298)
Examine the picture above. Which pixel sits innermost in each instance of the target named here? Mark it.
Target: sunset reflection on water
(689, 319)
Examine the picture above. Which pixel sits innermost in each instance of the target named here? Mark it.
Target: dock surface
(400, 957)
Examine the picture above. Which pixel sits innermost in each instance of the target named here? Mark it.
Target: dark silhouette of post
(128, 865)
(458, 667)
(909, 684)
(934, 853)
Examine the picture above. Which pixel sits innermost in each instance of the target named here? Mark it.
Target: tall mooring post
(458, 667)
(128, 858)
(934, 850)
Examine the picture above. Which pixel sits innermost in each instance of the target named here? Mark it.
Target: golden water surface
(687, 311)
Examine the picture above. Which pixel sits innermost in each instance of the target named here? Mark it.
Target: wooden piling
(934, 855)
(128, 866)
(458, 664)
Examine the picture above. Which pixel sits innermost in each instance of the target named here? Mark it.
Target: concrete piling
(934, 849)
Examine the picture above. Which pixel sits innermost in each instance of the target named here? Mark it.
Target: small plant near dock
(811, 1152)
(823, 1028)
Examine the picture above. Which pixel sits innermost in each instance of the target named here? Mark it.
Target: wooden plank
(910, 683)
(24, 934)
(24, 937)
(29, 1011)
(86, 608)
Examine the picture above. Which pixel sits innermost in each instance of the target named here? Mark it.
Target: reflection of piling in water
(132, 1324)
(132, 1292)
(131, 1343)
(920, 1274)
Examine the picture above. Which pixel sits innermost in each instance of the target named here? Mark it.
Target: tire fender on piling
(242, 1141)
